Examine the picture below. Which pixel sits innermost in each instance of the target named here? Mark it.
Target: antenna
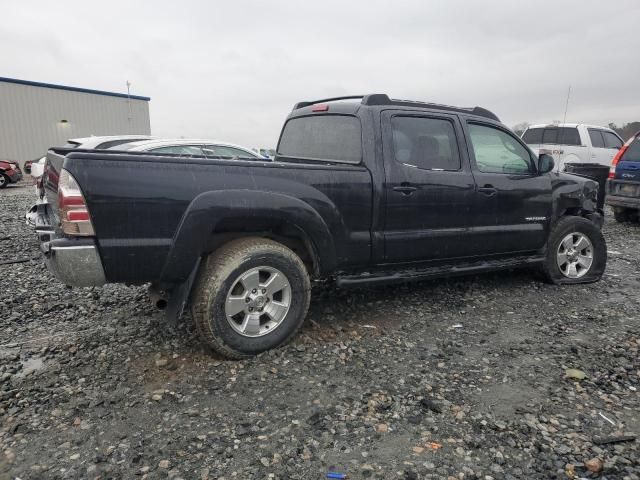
(566, 107)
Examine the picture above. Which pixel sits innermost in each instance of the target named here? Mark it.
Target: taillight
(616, 159)
(74, 215)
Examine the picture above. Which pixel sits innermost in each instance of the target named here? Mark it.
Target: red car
(9, 173)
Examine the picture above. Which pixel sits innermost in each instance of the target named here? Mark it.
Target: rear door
(512, 204)
(429, 190)
(599, 152)
(563, 144)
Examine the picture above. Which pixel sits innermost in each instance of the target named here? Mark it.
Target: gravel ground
(453, 379)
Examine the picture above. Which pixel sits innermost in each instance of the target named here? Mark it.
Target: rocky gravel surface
(467, 378)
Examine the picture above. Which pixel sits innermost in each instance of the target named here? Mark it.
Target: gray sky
(232, 70)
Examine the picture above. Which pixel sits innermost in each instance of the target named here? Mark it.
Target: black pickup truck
(362, 190)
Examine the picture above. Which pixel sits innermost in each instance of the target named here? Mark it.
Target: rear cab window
(325, 137)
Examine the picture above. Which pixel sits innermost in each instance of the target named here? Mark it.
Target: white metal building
(35, 116)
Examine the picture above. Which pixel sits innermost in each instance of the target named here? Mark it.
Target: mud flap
(179, 297)
(597, 218)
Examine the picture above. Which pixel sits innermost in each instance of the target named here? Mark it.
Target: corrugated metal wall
(30, 118)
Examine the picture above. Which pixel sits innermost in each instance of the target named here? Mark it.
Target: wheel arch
(215, 218)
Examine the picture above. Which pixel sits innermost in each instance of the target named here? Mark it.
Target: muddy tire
(251, 295)
(576, 252)
(621, 214)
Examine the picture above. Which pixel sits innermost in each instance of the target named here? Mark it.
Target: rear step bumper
(620, 201)
(74, 262)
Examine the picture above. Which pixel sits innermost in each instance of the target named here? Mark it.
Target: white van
(573, 143)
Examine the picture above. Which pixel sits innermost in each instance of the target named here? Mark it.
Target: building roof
(71, 89)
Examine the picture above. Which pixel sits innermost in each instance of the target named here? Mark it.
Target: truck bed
(138, 202)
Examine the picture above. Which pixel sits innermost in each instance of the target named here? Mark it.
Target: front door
(513, 202)
(429, 189)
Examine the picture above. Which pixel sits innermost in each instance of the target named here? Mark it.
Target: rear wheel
(623, 214)
(4, 180)
(251, 295)
(576, 252)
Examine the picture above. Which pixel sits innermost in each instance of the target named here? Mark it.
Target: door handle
(405, 188)
(488, 190)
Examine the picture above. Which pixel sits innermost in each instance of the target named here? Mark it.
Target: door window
(596, 138)
(179, 150)
(632, 153)
(425, 143)
(611, 140)
(498, 152)
(217, 151)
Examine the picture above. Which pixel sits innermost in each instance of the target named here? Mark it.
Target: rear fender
(208, 210)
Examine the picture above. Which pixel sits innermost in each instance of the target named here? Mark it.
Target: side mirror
(545, 163)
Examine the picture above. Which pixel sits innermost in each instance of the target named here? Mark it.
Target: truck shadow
(380, 309)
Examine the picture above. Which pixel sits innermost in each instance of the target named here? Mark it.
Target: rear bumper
(74, 262)
(626, 202)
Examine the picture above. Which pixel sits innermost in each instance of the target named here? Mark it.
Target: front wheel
(576, 252)
(4, 180)
(251, 295)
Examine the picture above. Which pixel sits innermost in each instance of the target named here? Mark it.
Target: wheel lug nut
(250, 309)
(253, 291)
(247, 299)
(264, 290)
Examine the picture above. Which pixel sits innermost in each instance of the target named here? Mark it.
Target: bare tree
(520, 128)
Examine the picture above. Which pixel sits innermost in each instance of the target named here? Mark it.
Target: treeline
(625, 131)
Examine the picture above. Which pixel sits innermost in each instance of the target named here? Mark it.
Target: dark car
(362, 191)
(9, 173)
(623, 186)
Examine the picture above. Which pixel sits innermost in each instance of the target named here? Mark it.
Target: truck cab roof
(567, 125)
(351, 104)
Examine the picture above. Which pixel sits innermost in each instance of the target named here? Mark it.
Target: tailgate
(628, 170)
(51, 176)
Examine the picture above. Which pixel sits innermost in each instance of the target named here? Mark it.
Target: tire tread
(216, 269)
